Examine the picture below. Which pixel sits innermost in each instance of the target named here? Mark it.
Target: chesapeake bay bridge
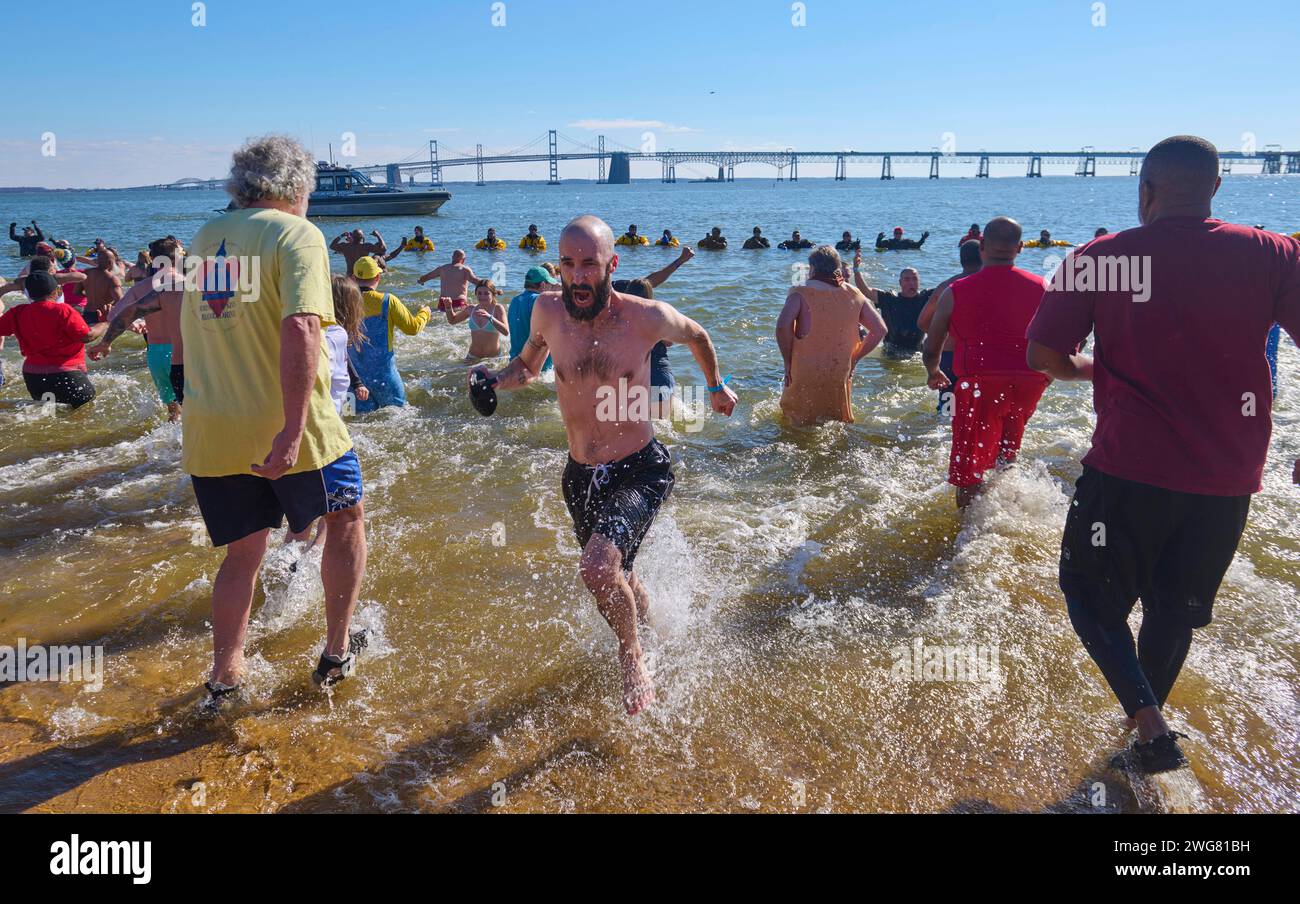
(614, 161)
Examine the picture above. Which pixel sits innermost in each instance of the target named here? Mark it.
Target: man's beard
(599, 298)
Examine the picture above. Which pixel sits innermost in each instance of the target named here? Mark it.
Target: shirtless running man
(454, 277)
(618, 474)
(158, 301)
(103, 285)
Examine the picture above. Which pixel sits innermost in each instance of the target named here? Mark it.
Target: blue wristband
(721, 385)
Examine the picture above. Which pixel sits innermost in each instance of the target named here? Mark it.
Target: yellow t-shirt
(277, 266)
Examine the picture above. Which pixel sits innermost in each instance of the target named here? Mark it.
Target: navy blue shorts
(619, 500)
(240, 505)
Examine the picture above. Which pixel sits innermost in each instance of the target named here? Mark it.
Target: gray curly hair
(270, 168)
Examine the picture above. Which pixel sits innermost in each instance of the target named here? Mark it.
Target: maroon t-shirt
(1181, 385)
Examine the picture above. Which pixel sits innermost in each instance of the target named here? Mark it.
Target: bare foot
(173, 411)
(638, 689)
(1130, 724)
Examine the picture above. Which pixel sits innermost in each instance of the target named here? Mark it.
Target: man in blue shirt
(520, 316)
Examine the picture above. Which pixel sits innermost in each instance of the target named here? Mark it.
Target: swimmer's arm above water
(1056, 365)
(870, 320)
(932, 352)
(677, 327)
(659, 277)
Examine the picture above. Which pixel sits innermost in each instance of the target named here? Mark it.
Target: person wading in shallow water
(618, 474)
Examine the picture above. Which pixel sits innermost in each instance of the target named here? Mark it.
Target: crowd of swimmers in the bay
(1181, 385)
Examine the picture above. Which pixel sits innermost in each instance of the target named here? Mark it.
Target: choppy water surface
(788, 570)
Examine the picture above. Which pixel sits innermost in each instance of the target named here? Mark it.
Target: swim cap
(898, 230)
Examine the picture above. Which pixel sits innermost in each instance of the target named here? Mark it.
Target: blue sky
(135, 93)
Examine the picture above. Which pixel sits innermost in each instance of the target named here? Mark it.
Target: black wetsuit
(900, 244)
(26, 243)
(755, 243)
(900, 314)
(792, 245)
(855, 245)
(710, 243)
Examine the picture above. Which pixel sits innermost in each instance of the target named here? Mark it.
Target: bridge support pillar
(393, 174)
(435, 171)
(1035, 168)
(600, 160)
(841, 169)
(934, 166)
(1087, 166)
(1272, 164)
(1134, 164)
(555, 160)
(1292, 164)
(983, 172)
(731, 172)
(479, 152)
(620, 169)
(1225, 167)
(794, 168)
(886, 169)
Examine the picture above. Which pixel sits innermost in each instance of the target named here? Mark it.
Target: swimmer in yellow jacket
(1044, 240)
(533, 241)
(632, 237)
(668, 240)
(491, 243)
(419, 242)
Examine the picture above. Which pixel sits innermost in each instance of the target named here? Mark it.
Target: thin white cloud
(596, 125)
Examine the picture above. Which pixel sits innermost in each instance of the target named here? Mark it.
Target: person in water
(157, 298)
(795, 242)
(353, 246)
(898, 243)
(900, 310)
(662, 381)
(971, 236)
(533, 241)
(346, 387)
(375, 359)
(417, 243)
(618, 475)
(995, 392)
(632, 237)
(667, 240)
(260, 436)
(487, 322)
(1045, 240)
(31, 237)
(971, 262)
(824, 330)
(756, 241)
(452, 280)
(491, 242)
(51, 339)
(520, 314)
(1101, 230)
(714, 241)
(1178, 450)
(103, 285)
(848, 243)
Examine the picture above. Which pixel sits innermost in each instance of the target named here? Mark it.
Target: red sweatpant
(989, 421)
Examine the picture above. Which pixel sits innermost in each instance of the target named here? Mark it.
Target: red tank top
(991, 311)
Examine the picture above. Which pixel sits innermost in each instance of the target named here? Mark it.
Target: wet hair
(824, 260)
(970, 254)
(551, 268)
(641, 288)
(490, 286)
(270, 168)
(349, 309)
(168, 247)
(40, 264)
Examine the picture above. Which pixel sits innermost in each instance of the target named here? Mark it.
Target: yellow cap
(366, 268)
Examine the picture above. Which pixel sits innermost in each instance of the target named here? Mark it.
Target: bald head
(1001, 242)
(587, 234)
(1179, 178)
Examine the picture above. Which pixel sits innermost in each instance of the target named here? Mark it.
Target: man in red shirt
(1183, 397)
(51, 337)
(996, 393)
